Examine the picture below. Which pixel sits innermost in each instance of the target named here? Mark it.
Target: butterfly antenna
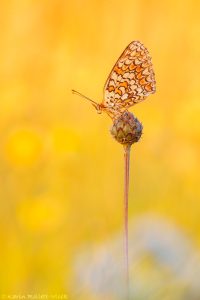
(81, 95)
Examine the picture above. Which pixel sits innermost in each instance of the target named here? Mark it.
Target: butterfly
(130, 81)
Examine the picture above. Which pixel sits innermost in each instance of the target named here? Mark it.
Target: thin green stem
(127, 149)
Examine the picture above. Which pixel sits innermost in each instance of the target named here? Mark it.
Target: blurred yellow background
(61, 173)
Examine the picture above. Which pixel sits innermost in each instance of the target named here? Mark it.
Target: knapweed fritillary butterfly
(131, 80)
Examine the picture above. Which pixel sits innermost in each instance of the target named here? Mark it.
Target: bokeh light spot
(40, 214)
(23, 147)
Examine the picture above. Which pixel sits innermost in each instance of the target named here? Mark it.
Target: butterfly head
(98, 107)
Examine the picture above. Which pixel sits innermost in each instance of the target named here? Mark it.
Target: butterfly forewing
(131, 79)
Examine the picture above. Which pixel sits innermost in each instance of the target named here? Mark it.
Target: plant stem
(127, 149)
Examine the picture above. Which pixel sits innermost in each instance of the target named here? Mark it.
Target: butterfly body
(131, 81)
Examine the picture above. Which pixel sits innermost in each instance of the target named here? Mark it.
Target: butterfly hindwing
(131, 80)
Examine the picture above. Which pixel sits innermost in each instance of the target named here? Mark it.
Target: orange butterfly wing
(131, 80)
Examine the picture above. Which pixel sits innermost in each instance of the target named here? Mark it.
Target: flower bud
(126, 129)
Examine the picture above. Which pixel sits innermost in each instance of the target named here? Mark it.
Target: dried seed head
(126, 129)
